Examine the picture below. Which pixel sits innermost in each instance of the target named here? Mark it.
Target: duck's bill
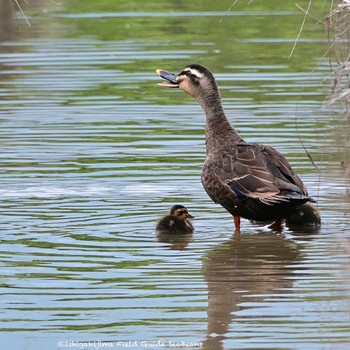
(169, 77)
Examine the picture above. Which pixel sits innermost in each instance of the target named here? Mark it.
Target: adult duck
(176, 222)
(251, 181)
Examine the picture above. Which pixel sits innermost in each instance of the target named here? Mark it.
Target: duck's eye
(187, 73)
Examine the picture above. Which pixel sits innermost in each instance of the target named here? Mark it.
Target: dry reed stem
(22, 12)
(340, 53)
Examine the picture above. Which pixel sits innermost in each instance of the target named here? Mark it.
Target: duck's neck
(218, 129)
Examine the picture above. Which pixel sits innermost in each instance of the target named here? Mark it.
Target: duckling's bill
(170, 77)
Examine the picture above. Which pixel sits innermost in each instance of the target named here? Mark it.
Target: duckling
(176, 222)
(304, 215)
(250, 181)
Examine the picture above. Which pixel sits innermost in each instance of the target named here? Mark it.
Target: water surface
(93, 153)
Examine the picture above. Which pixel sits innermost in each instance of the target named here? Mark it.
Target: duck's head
(181, 212)
(194, 79)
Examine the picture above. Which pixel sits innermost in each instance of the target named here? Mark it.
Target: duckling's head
(181, 212)
(194, 79)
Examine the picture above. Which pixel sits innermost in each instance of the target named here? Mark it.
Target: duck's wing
(260, 172)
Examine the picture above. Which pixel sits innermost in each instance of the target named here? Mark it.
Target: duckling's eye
(182, 212)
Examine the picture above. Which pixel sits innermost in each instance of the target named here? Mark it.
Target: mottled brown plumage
(249, 180)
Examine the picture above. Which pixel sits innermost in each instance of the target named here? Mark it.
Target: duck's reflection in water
(251, 265)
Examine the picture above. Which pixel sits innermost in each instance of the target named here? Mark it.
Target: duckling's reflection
(247, 265)
(176, 242)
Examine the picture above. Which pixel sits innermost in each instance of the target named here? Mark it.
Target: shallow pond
(93, 153)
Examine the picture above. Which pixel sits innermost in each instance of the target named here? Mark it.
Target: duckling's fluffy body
(176, 222)
(249, 180)
(304, 215)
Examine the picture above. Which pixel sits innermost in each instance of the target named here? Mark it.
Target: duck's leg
(237, 233)
(237, 221)
(277, 225)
